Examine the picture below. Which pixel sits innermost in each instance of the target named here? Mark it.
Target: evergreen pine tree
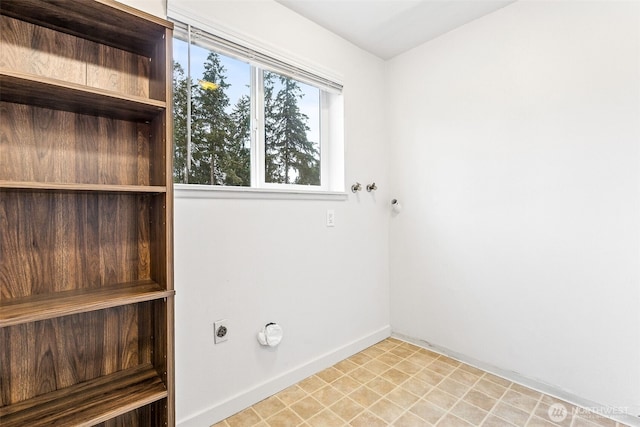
(291, 157)
(239, 147)
(210, 126)
(180, 86)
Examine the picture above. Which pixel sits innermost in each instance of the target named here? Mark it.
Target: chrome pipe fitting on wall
(371, 187)
(356, 187)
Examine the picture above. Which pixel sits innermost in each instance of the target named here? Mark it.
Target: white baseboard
(527, 382)
(240, 401)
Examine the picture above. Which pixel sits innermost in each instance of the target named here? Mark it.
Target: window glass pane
(180, 85)
(292, 131)
(220, 119)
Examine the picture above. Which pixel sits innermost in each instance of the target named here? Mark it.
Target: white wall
(256, 261)
(515, 152)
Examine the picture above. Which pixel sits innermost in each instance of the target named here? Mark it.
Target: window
(244, 119)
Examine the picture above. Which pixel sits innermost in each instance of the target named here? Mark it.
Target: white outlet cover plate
(216, 326)
(331, 218)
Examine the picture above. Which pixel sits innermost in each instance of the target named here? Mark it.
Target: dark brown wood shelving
(88, 403)
(102, 21)
(53, 186)
(56, 94)
(40, 307)
(86, 211)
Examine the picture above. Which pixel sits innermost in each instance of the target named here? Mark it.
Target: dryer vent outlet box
(220, 331)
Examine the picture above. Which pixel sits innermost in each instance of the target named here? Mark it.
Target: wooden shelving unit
(86, 202)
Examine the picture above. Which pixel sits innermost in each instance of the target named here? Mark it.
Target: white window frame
(331, 144)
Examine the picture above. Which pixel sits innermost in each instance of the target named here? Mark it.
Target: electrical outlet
(220, 331)
(331, 218)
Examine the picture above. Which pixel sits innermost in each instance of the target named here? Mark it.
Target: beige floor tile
(480, 400)
(397, 383)
(394, 376)
(430, 377)
(526, 391)
(364, 396)
(389, 359)
(386, 410)
(490, 388)
(387, 344)
(520, 401)
(373, 352)
(510, 413)
(469, 412)
(360, 358)
(345, 384)
(367, 419)
(402, 352)
(449, 361)
(346, 408)
(402, 397)
(362, 375)
(493, 421)
(539, 422)
(421, 359)
(377, 367)
(307, 407)
(291, 394)
(328, 395)
(284, 418)
(453, 387)
(441, 399)
(429, 353)
(248, 417)
(330, 374)
(268, 407)
(464, 377)
(311, 384)
(427, 411)
(380, 385)
(450, 420)
(416, 386)
(345, 366)
(410, 420)
(408, 367)
(441, 367)
(326, 418)
(496, 379)
(471, 369)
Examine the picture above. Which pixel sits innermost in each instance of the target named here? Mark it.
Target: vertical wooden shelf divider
(86, 215)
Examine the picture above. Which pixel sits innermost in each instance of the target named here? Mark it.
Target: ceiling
(387, 28)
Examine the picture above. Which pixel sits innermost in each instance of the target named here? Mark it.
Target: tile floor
(394, 383)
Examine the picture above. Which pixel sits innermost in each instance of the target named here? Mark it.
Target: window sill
(193, 191)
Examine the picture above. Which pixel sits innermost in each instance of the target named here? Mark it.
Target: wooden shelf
(48, 306)
(119, 25)
(85, 86)
(53, 186)
(88, 403)
(56, 94)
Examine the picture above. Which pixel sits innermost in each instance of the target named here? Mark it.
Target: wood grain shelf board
(119, 25)
(90, 402)
(47, 306)
(56, 94)
(70, 187)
